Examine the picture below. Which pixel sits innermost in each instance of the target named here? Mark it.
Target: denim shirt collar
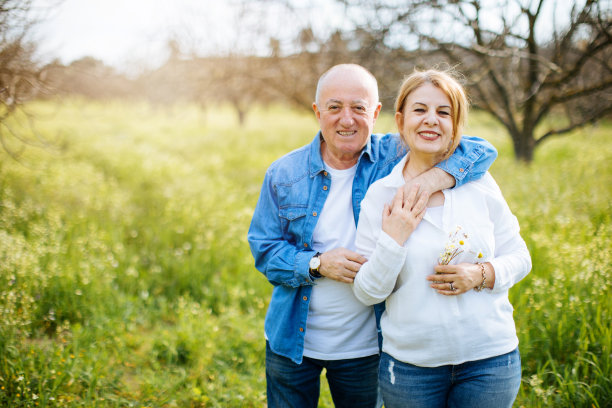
(395, 179)
(316, 159)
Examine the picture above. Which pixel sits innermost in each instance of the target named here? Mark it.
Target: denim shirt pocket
(292, 210)
(292, 220)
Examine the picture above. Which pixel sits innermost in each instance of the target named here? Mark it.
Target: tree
(537, 84)
(87, 77)
(21, 78)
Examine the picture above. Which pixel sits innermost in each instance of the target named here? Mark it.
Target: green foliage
(126, 278)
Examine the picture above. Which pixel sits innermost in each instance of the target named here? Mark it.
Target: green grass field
(126, 279)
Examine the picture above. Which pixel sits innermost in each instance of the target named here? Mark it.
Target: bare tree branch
(21, 78)
(514, 75)
(590, 119)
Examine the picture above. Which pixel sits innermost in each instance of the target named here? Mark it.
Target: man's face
(347, 110)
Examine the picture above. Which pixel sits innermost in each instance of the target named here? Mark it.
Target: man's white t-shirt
(338, 326)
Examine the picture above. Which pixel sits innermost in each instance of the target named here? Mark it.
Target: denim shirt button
(301, 329)
(305, 298)
(305, 245)
(325, 188)
(314, 213)
(461, 170)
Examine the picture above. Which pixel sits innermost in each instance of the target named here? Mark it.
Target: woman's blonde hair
(446, 81)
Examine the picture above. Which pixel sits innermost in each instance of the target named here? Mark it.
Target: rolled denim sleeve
(470, 161)
(281, 261)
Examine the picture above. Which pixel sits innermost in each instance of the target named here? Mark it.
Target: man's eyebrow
(338, 101)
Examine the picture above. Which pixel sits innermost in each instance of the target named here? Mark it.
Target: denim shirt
(294, 191)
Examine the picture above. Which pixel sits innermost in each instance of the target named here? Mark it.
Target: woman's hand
(403, 215)
(456, 279)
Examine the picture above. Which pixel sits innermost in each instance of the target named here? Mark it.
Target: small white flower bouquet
(456, 245)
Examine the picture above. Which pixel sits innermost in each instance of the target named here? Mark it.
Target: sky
(121, 32)
(133, 34)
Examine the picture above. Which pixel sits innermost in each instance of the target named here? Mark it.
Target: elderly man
(302, 238)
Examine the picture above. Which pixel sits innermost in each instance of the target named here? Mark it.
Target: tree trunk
(524, 146)
(241, 115)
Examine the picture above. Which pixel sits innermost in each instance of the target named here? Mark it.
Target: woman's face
(426, 123)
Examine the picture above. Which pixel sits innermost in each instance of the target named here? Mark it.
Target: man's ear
(377, 110)
(316, 110)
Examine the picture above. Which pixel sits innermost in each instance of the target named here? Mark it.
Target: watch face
(315, 262)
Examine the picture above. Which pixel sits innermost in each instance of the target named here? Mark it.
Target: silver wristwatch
(314, 264)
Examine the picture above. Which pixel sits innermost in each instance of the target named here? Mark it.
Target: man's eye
(333, 108)
(359, 108)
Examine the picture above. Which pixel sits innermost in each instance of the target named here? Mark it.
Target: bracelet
(484, 279)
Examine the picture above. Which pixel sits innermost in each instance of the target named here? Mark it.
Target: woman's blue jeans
(353, 382)
(490, 383)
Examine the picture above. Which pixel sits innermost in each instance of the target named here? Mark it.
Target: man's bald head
(342, 71)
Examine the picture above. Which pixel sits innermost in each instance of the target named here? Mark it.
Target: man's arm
(287, 263)
(281, 261)
(470, 161)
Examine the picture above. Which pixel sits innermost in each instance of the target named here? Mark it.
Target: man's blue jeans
(353, 382)
(490, 383)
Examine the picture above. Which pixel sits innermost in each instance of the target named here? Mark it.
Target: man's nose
(346, 116)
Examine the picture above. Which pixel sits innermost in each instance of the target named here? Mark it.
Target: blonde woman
(449, 338)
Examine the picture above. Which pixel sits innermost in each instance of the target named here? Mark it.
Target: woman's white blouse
(420, 326)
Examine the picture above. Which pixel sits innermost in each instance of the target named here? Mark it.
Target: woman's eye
(444, 113)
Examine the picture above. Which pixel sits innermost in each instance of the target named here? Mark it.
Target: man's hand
(341, 264)
(434, 179)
